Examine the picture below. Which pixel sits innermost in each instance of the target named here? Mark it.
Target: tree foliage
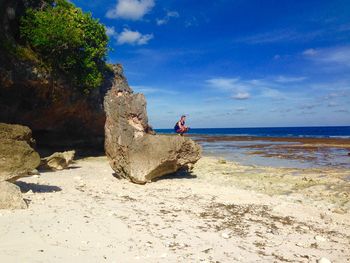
(69, 41)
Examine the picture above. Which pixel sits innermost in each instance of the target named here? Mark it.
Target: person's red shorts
(182, 130)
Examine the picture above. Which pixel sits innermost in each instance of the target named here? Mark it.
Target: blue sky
(233, 63)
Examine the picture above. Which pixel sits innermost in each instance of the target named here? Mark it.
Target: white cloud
(130, 9)
(241, 96)
(242, 89)
(285, 79)
(336, 55)
(167, 17)
(223, 83)
(310, 52)
(151, 90)
(271, 93)
(277, 36)
(110, 31)
(133, 37)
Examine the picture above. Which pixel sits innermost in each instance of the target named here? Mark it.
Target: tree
(69, 42)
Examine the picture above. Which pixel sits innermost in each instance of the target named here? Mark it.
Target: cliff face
(59, 115)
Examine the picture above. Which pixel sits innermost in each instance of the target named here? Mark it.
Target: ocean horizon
(305, 131)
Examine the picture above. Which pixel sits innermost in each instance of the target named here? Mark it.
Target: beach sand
(221, 212)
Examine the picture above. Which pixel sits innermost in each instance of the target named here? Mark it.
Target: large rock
(17, 158)
(133, 150)
(11, 196)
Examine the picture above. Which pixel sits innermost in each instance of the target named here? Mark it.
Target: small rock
(221, 161)
(323, 260)
(320, 239)
(339, 211)
(58, 160)
(300, 245)
(225, 235)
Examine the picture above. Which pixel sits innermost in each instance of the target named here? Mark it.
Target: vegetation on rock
(69, 41)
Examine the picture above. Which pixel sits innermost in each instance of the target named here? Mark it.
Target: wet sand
(221, 212)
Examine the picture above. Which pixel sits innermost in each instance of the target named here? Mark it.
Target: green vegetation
(69, 41)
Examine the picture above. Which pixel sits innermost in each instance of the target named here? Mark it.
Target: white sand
(84, 214)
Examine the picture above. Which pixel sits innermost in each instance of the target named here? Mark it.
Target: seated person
(180, 127)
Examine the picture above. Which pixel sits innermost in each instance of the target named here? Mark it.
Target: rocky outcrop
(60, 116)
(17, 159)
(133, 150)
(58, 160)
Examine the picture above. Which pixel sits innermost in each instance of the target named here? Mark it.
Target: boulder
(17, 158)
(133, 149)
(152, 156)
(11, 196)
(58, 160)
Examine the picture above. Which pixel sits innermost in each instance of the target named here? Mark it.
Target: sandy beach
(221, 212)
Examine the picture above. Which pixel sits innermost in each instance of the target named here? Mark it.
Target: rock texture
(17, 159)
(58, 161)
(11, 196)
(133, 150)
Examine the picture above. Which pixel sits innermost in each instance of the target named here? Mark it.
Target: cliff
(59, 114)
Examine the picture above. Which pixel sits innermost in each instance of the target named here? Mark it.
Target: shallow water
(275, 154)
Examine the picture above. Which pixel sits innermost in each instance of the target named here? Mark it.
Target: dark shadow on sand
(37, 188)
(182, 174)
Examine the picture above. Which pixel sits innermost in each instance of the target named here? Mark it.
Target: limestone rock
(58, 160)
(133, 150)
(11, 196)
(17, 158)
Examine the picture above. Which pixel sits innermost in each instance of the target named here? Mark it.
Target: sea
(317, 132)
(263, 152)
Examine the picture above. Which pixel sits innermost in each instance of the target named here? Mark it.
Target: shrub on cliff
(69, 41)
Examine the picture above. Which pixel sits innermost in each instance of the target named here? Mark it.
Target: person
(180, 127)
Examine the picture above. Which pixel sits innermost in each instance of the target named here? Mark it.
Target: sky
(233, 63)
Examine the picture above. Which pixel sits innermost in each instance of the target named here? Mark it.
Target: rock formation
(133, 150)
(58, 160)
(59, 115)
(17, 159)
